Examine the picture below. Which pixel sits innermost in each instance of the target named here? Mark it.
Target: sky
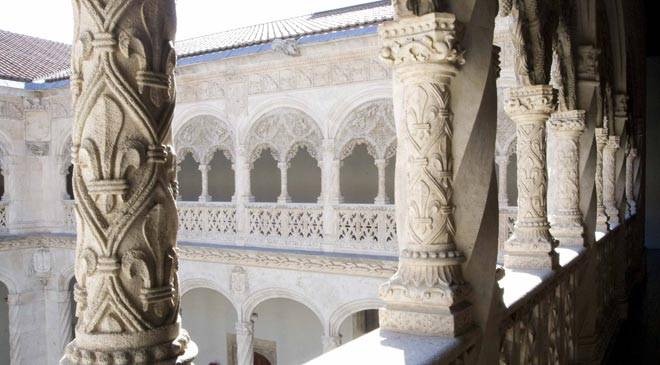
(52, 19)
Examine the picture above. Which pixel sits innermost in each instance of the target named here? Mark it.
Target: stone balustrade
(3, 216)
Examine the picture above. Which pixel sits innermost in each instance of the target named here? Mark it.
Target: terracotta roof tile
(25, 58)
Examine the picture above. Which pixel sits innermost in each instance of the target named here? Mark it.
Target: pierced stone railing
(285, 225)
(3, 217)
(207, 222)
(507, 218)
(366, 228)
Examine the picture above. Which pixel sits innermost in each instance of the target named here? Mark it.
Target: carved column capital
(588, 63)
(530, 103)
(571, 122)
(621, 105)
(428, 39)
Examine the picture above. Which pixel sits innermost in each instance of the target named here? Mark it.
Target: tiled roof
(26, 58)
(326, 21)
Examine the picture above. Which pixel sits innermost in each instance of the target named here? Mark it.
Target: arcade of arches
(405, 182)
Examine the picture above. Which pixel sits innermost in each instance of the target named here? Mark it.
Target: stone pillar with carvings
(245, 342)
(122, 84)
(609, 181)
(336, 197)
(601, 216)
(381, 197)
(531, 246)
(243, 175)
(631, 205)
(502, 162)
(284, 189)
(330, 342)
(428, 294)
(565, 218)
(204, 196)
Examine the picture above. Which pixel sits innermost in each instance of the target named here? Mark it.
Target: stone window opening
(265, 177)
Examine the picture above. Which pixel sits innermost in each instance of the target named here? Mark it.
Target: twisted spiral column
(125, 184)
(565, 218)
(427, 295)
(531, 246)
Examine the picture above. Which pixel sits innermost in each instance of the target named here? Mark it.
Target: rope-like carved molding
(287, 261)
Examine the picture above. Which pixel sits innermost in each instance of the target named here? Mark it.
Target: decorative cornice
(426, 39)
(537, 99)
(569, 121)
(287, 261)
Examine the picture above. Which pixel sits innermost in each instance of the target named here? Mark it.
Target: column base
(284, 200)
(204, 198)
(181, 351)
(381, 201)
(568, 235)
(613, 218)
(530, 254)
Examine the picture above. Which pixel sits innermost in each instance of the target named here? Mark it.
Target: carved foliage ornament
(284, 131)
(371, 124)
(427, 39)
(203, 135)
(126, 261)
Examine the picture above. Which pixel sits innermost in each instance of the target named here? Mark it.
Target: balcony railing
(3, 216)
(344, 228)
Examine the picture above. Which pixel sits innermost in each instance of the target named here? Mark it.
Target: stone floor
(639, 339)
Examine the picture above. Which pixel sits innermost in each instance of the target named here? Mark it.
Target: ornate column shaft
(336, 197)
(245, 343)
(502, 191)
(124, 182)
(601, 216)
(330, 342)
(531, 246)
(631, 206)
(381, 198)
(284, 190)
(204, 196)
(565, 218)
(427, 295)
(609, 181)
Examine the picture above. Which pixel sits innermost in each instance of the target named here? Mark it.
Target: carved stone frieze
(427, 295)
(203, 135)
(288, 47)
(124, 171)
(531, 246)
(10, 110)
(564, 129)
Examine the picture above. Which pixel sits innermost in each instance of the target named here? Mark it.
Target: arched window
(304, 177)
(221, 177)
(359, 176)
(265, 177)
(210, 319)
(358, 324)
(190, 179)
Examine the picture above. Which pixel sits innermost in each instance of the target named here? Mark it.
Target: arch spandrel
(284, 130)
(372, 124)
(203, 135)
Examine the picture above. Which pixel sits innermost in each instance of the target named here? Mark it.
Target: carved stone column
(204, 196)
(284, 190)
(601, 216)
(381, 198)
(427, 295)
(531, 246)
(502, 191)
(631, 206)
(565, 218)
(124, 182)
(330, 342)
(243, 175)
(336, 197)
(245, 343)
(609, 181)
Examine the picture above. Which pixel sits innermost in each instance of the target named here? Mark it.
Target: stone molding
(288, 261)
